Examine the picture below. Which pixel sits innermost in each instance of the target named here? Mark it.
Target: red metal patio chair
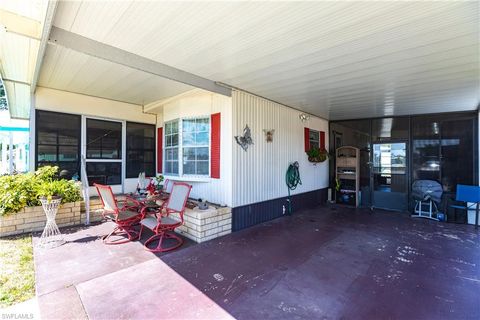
(167, 189)
(163, 225)
(125, 217)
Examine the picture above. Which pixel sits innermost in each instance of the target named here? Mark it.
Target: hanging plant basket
(317, 155)
(317, 159)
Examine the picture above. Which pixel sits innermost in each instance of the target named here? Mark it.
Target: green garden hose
(292, 178)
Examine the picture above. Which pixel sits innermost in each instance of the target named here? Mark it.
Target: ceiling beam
(20, 25)
(47, 26)
(15, 81)
(73, 41)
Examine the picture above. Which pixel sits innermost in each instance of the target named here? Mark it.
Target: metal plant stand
(51, 236)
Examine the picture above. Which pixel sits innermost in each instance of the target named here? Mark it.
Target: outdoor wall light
(304, 117)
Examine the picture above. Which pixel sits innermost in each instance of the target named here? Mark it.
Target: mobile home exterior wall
(199, 103)
(259, 187)
(47, 99)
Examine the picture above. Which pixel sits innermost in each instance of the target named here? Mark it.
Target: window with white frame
(314, 138)
(187, 139)
(196, 145)
(171, 147)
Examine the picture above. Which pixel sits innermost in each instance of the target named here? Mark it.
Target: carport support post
(10, 153)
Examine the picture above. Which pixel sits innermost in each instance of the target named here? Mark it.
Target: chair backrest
(178, 197)
(468, 193)
(168, 185)
(108, 199)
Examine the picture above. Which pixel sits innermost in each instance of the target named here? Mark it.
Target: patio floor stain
(321, 263)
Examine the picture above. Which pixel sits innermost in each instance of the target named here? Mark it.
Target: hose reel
(292, 179)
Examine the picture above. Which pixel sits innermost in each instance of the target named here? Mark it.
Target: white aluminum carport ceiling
(333, 59)
(20, 31)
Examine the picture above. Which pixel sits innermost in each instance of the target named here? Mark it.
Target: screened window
(140, 149)
(58, 141)
(195, 142)
(188, 140)
(104, 151)
(314, 137)
(104, 139)
(444, 149)
(171, 147)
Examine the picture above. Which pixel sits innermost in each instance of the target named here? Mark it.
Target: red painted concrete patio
(321, 263)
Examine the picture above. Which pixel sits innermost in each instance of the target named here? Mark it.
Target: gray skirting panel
(255, 213)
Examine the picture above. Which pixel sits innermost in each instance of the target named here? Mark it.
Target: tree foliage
(3, 97)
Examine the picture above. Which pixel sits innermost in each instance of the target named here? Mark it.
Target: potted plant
(51, 192)
(317, 155)
(62, 190)
(159, 182)
(48, 191)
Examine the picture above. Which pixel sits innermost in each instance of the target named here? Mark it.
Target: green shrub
(21, 190)
(46, 173)
(16, 192)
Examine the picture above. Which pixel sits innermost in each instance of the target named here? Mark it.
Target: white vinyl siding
(259, 173)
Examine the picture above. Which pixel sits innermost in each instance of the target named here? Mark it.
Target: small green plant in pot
(317, 155)
(50, 188)
(159, 182)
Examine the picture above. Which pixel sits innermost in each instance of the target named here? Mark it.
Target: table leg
(476, 215)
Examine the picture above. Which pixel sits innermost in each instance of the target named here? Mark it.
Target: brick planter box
(32, 219)
(199, 226)
(204, 225)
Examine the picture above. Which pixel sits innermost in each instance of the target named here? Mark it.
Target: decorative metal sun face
(246, 140)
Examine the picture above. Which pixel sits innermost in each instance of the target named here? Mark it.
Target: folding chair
(163, 225)
(124, 217)
(468, 194)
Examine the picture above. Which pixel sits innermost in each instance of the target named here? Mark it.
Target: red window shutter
(322, 140)
(160, 150)
(215, 147)
(307, 139)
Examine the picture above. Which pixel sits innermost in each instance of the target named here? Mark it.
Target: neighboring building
(14, 139)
